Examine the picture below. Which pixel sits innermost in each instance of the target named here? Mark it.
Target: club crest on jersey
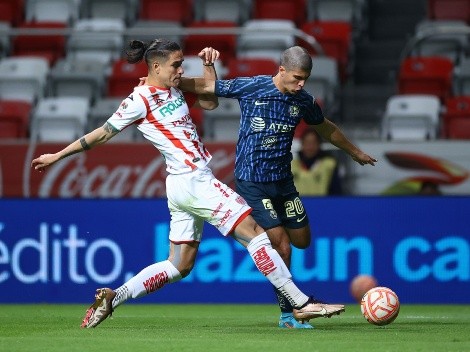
(123, 105)
(269, 206)
(294, 110)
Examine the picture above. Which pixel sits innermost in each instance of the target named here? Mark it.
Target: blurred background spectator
(315, 170)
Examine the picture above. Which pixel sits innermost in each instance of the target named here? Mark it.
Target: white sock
(149, 280)
(270, 264)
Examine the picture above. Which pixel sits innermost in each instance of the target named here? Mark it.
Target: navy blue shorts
(274, 203)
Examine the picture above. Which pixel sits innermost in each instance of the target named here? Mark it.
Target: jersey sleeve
(233, 88)
(314, 114)
(130, 110)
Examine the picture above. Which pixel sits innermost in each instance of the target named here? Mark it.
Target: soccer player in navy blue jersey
(271, 108)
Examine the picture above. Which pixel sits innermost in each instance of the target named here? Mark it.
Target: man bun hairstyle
(157, 49)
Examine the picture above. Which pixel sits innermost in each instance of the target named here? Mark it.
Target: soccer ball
(380, 306)
(360, 285)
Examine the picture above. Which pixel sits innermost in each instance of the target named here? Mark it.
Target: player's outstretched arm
(96, 137)
(335, 136)
(208, 56)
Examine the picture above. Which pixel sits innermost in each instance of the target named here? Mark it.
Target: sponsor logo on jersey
(257, 124)
(257, 102)
(171, 106)
(268, 142)
(280, 127)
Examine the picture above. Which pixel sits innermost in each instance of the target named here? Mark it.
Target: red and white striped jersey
(162, 115)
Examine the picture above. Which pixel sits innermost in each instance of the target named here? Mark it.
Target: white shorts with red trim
(197, 196)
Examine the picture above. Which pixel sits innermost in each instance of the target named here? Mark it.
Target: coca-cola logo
(112, 171)
(72, 178)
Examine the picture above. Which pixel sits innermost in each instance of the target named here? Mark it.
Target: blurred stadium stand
(362, 50)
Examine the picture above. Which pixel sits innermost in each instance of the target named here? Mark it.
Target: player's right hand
(209, 55)
(42, 162)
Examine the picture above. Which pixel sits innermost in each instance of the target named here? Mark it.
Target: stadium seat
(246, 67)
(102, 110)
(125, 10)
(193, 67)
(12, 11)
(222, 124)
(59, 119)
(65, 11)
(335, 10)
(445, 38)
(4, 39)
(411, 117)
(237, 11)
(456, 118)
(225, 43)
(449, 10)
(98, 39)
(265, 38)
(461, 79)
(14, 118)
(335, 37)
(180, 11)
(124, 77)
(426, 75)
(49, 46)
(77, 78)
(23, 78)
(323, 83)
(148, 30)
(292, 10)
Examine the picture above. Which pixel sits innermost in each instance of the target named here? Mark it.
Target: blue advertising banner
(62, 250)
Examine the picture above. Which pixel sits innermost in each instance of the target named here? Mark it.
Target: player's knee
(302, 243)
(300, 238)
(185, 270)
(184, 267)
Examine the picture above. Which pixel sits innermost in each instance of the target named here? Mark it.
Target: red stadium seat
(426, 75)
(14, 118)
(449, 10)
(456, 119)
(124, 77)
(225, 43)
(51, 47)
(12, 11)
(167, 10)
(245, 67)
(294, 10)
(335, 39)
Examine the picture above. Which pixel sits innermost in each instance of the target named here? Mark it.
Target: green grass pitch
(193, 328)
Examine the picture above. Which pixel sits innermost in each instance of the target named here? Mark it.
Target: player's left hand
(363, 159)
(209, 55)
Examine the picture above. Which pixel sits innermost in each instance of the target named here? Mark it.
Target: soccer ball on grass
(380, 306)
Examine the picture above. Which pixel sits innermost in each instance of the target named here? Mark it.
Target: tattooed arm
(96, 137)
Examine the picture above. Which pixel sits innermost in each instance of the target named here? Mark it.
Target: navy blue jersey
(267, 125)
